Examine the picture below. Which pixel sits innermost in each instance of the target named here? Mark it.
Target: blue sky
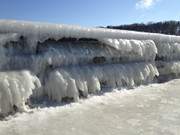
(91, 12)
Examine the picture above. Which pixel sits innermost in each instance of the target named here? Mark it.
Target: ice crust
(62, 61)
(43, 31)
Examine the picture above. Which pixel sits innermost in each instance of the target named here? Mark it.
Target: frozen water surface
(147, 110)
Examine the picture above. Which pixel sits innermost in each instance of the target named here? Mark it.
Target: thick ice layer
(15, 89)
(43, 31)
(78, 81)
(35, 33)
(168, 51)
(61, 53)
(5, 38)
(146, 49)
(166, 68)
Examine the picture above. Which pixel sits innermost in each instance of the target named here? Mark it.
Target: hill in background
(166, 27)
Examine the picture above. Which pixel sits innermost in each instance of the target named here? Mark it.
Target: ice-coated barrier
(65, 62)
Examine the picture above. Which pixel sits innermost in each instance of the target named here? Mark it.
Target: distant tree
(167, 27)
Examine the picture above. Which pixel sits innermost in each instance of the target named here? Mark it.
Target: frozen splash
(142, 48)
(15, 88)
(69, 62)
(74, 81)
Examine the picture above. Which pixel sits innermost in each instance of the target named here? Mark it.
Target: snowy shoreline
(152, 109)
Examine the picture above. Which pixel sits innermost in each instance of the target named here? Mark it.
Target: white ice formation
(91, 79)
(65, 62)
(15, 88)
(169, 50)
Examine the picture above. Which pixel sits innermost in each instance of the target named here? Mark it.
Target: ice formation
(142, 48)
(43, 31)
(169, 50)
(91, 79)
(64, 62)
(166, 68)
(15, 89)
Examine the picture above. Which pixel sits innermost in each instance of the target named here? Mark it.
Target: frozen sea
(146, 110)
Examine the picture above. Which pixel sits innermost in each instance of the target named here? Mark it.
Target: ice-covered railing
(57, 53)
(62, 62)
(43, 31)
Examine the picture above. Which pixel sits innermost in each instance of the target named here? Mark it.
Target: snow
(150, 110)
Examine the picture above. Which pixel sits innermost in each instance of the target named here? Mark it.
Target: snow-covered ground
(147, 110)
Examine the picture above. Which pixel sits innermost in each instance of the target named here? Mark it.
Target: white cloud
(145, 4)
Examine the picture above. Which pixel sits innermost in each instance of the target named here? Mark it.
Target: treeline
(167, 27)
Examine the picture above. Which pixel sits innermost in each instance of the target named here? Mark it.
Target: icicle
(93, 85)
(56, 86)
(72, 90)
(80, 80)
